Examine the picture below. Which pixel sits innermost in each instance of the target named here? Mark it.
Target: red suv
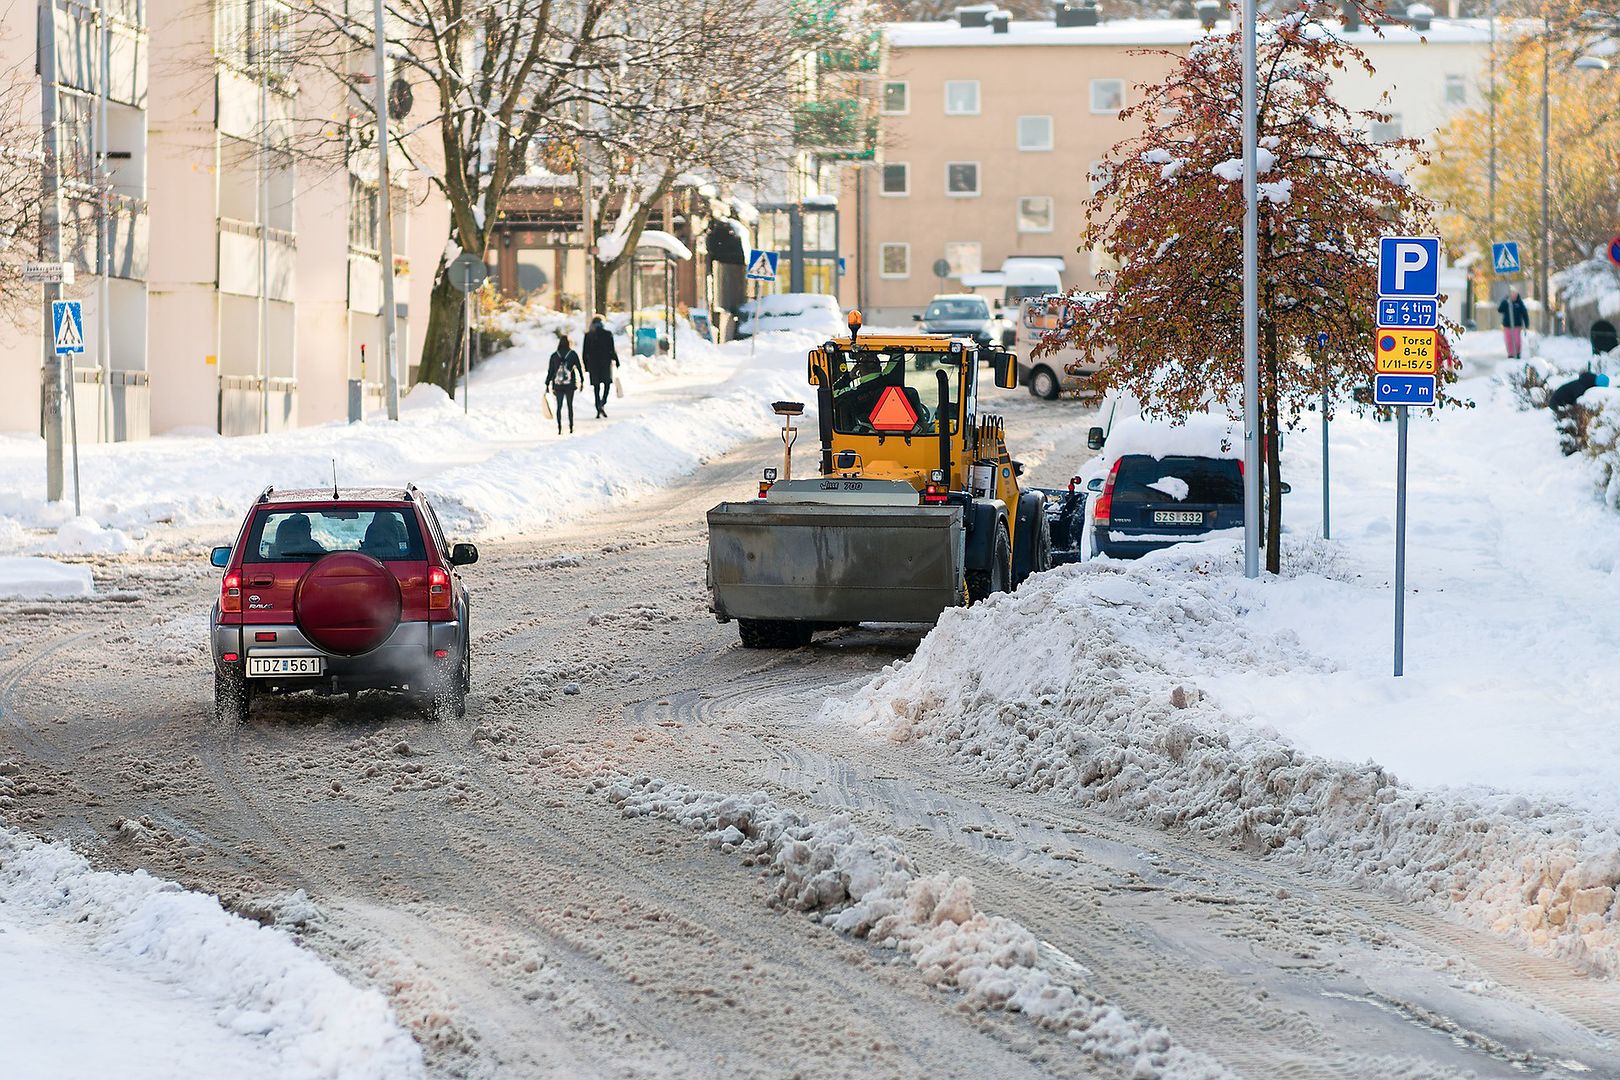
(340, 592)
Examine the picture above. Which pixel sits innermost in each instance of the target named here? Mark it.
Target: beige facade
(261, 279)
(988, 139)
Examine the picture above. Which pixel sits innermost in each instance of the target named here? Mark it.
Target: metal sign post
(1321, 361)
(467, 272)
(1400, 540)
(761, 267)
(67, 340)
(1251, 301)
(1405, 348)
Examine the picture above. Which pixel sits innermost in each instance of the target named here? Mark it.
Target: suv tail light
(438, 589)
(230, 593)
(1104, 508)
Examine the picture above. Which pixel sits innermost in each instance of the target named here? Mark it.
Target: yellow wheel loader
(915, 506)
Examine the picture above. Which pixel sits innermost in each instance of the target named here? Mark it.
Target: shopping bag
(618, 388)
(545, 403)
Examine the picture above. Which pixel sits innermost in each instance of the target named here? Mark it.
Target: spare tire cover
(347, 603)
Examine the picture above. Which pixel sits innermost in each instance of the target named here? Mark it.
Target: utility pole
(103, 231)
(385, 230)
(1546, 155)
(586, 223)
(263, 171)
(1251, 305)
(50, 245)
(1490, 197)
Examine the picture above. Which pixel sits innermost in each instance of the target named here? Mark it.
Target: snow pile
(1593, 283)
(127, 975)
(1091, 692)
(868, 888)
(35, 579)
(500, 469)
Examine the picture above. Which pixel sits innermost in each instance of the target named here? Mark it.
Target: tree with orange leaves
(1169, 214)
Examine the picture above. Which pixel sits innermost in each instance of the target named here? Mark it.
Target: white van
(1066, 372)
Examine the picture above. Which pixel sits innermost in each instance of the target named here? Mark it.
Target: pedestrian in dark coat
(563, 376)
(1515, 319)
(600, 360)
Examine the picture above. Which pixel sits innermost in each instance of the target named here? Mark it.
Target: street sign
(1408, 266)
(467, 271)
(1404, 352)
(1404, 390)
(942, 268)
(1414, 313)
(1614, 251)
(67, 319)
(38, 273)
(1321, 339)
(1505, 257)
(843, 266)
(762, 265)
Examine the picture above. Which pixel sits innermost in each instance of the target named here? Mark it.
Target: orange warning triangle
(893, 412)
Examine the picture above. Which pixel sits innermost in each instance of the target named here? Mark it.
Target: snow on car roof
(362, 494)
(1202, 435)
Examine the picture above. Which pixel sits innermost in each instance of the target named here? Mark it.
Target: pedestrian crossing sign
(762, 266)
(1505, 257)
(67, 320)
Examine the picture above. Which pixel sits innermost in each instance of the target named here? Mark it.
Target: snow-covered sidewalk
(1265, 711)
(498, 471)
(127, 975)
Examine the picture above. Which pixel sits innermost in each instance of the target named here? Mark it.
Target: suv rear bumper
(405, 659)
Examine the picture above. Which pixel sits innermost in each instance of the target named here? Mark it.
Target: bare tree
(22, 162)
(694, 87)
(495, 74)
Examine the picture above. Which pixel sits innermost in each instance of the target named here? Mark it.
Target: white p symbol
(1409, 259)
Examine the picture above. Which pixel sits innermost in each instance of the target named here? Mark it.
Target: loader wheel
(981, 583)
(774, 633)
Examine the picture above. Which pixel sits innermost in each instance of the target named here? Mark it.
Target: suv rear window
(1198, 480)
(306, 535)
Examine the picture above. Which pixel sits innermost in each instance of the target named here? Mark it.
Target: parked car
(340, 591)
(1064, 373)
(1156, 484)
(967, 316)
(815, 312)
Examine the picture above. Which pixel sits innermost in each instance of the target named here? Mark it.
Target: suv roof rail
(410, 490)
(264, 496)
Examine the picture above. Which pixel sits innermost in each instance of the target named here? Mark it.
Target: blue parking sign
(1409, 266)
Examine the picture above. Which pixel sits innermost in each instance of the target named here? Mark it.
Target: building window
(1035, 213)
(1386, 131)
(963, 256)
(896, 261)
(363, 206)
(962, 178)
(896, 98)
(1102, 263)
(896, 178)
(1099, 174)
(1107, 95)
(962, 97)
(1456, 90)
(1034, 133)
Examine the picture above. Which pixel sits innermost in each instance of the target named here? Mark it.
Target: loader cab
(895, 408)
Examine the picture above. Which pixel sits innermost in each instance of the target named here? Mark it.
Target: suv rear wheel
(231, 697)
(450, 685)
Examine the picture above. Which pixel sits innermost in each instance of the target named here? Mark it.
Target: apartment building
(100, 187)
(245, 224)
(990, 132)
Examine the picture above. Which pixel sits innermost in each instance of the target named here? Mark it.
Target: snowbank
(1092, 691)
(34, 579)
(867, 887)
(500, 469)
(126, 975)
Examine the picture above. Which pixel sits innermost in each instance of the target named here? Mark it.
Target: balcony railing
(239, 259)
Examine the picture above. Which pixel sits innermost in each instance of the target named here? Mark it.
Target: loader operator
(858, 388)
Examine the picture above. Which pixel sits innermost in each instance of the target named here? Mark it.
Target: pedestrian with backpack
(563, 376)
(1515, 320)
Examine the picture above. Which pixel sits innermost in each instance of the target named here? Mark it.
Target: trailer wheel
(774, 633)
(981, 583)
